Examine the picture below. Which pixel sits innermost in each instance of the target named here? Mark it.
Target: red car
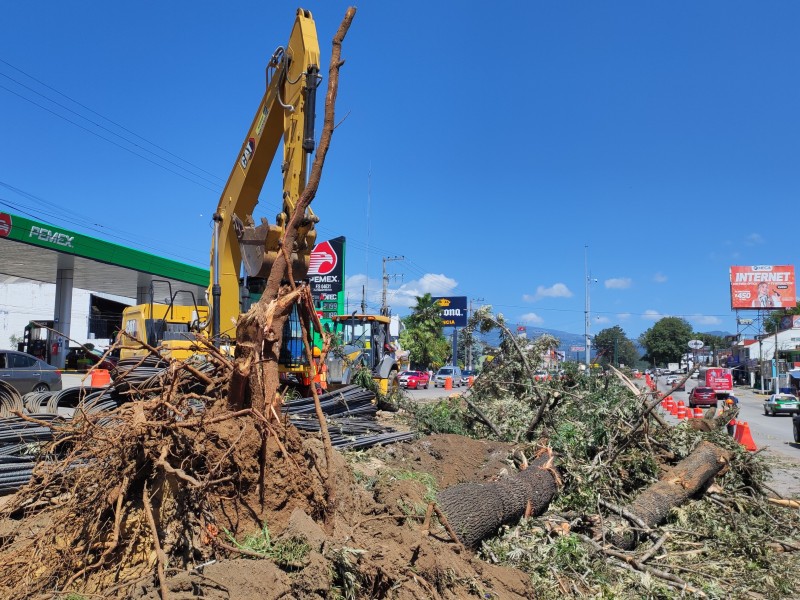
(414, 380)
(702, 396)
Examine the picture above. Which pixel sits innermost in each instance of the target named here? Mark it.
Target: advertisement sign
(453, 310)
(763, 287)
(718, 379)
(790, 322)
(577, 348)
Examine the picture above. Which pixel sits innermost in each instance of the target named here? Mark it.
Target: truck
(674, 367)
(718, 379)
(285, 117)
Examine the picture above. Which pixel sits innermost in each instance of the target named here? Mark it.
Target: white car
(782, 403)
(672, 379)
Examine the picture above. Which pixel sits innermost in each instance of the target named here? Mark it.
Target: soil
(390, 555)
(374, 546)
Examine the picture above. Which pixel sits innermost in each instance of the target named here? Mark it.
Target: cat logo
(249, 148)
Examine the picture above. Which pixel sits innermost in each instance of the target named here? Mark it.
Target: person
(320, 369)
(764, 299)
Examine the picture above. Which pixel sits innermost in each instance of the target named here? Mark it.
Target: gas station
(45, 253)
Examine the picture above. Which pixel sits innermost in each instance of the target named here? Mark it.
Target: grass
(288, 553)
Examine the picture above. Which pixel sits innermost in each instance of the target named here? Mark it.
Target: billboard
(453, 310)
(763, 287)
(790, 322)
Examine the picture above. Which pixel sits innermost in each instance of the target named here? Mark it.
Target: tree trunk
(678, 485)
(477, 510)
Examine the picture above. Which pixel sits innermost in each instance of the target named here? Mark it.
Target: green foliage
(363, 378)
(344, 576)
(288, 553)
(772, 320)
(614, 347)
(445, 416)
(666, 341)
(422, 336)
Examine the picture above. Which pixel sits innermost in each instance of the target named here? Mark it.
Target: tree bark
(477, 510)
(680, 483)
(256, 377)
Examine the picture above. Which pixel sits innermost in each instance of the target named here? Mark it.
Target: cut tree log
(477, 510)
(680, 483)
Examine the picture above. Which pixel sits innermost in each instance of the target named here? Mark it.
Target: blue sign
(453, 310)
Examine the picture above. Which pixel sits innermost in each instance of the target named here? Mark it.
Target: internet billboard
(763, 287)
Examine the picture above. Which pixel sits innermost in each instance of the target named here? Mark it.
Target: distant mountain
(717, 333)
(566, 339)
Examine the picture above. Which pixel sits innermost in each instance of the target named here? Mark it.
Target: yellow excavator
(286, 113)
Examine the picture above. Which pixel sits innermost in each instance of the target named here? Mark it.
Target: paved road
(775, 432)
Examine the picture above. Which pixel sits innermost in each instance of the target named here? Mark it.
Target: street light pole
(587, 313)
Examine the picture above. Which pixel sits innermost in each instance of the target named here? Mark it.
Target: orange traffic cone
(698, 412)
(745, 439)
(739, 425)
(681, 412)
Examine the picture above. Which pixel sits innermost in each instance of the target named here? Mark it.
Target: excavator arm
(286, 113)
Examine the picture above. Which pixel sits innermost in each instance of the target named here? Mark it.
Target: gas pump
(39, 341)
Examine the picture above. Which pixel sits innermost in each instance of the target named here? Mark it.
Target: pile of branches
(148, 484)
(732, 536)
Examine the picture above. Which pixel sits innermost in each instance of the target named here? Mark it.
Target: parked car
(465, 375)
(27, 373)
(781, 403)
(414, 380)
(442, 374)
(702, 396)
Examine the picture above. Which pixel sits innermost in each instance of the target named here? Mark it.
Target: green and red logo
(5, 224)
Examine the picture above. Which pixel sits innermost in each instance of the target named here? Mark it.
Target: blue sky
(488, 144)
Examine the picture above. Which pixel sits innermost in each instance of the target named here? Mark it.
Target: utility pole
(469, 336)
(384, 305)
(588, 323)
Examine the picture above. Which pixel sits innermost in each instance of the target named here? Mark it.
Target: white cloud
(754, 239)
(706, 320)
(618, 283)
(652, 315)
(557, 290)
(531, 319)
(404, 296)
(660, 278)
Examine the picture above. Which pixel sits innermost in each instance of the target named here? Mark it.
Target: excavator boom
(285, 113)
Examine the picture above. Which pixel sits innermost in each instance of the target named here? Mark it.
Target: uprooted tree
(193, 455)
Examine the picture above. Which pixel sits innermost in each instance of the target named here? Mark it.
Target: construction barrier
(448, 383)
(698, 412)
(681, 412)
(470, 380)
(744, 437)
(100, 378)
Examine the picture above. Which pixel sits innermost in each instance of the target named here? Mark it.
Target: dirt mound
(159, 500)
